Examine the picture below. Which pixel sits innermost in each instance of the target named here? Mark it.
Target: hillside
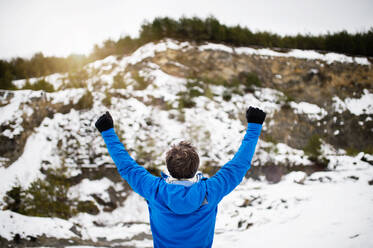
(315, 144)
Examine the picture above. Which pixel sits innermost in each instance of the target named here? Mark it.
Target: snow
(323, 221)
(294, 53)
(338, 105)
(163, 85)
(139, 243)
(100, 64)
(279, 153)
(10, 114)
(55, 79)
(82, 246)
(26, 168)
(109, 67)
(87, 187)
(362, 105)
(118, 231)
(12, 223)
(66, 96)
(329, 58)
(117, 224)
(146, 243)
(321, 214)
(268, 94)
(356, 106)
(212, 46)
(297, 210)
(295, 177)
(313, 111)
(151, 48)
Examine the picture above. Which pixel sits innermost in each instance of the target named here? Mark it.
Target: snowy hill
(312, 173)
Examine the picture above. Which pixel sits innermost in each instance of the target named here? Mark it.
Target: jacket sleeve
(232, 173)
(140, 180)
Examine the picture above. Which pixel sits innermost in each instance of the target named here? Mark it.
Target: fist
(255, 115)
(105, 122)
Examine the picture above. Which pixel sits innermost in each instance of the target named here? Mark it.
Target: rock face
(318, 106)
(32, 109)
(300, 80)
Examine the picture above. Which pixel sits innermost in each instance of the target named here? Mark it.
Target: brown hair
(182, 160)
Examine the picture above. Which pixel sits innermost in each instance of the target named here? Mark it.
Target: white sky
(74, 26)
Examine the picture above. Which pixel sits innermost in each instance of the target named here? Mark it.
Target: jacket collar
(183, 181)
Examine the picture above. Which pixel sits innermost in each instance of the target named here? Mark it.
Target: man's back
(180, 216)
(184, 214)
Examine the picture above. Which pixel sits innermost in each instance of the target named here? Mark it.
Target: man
(183, 206)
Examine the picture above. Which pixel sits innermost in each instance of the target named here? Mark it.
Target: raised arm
(231, 174)
(140, 180)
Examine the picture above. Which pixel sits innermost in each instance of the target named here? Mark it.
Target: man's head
(182, 160)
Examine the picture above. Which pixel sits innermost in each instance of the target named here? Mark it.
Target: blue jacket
(183, 215)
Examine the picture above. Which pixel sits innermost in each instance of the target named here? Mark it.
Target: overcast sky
(74, 26)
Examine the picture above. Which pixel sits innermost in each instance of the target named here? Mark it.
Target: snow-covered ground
(326, 209)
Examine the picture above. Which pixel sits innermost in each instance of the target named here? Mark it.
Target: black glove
(105, 122)
(255, 115)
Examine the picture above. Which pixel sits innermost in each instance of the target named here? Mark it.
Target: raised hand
(255, 115)
(105, 122)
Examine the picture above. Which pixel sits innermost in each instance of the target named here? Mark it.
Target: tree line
(210, 29)
(190, 29)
